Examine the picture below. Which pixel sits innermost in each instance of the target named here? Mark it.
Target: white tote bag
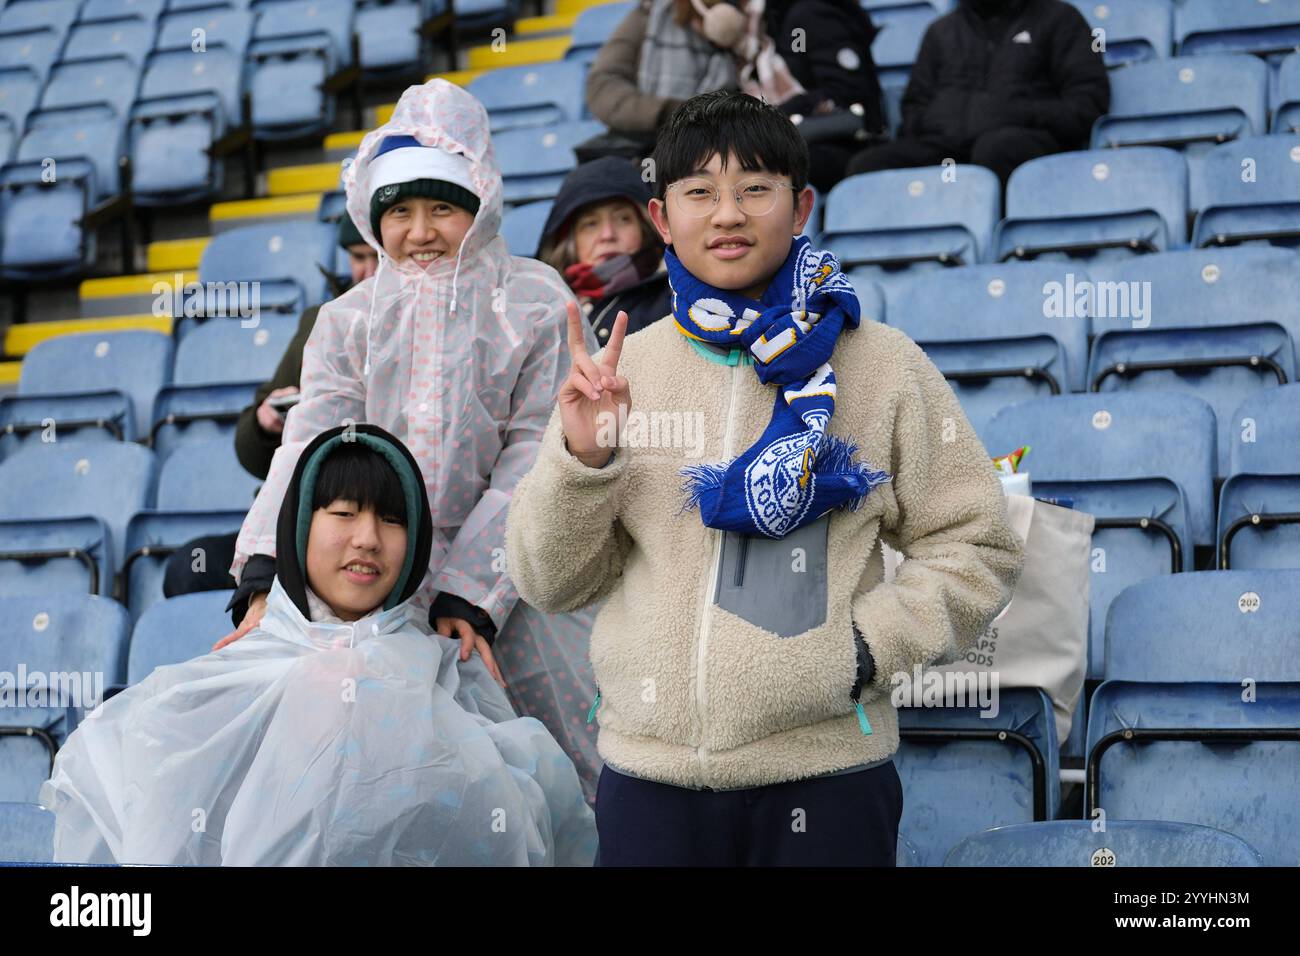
(1041, 637)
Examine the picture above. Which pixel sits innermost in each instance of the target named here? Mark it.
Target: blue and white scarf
(795, 472)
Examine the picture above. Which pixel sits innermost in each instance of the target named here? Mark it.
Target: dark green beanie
(349, 234)
(388, 196)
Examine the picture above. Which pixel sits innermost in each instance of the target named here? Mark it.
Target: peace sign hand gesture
(592, 395)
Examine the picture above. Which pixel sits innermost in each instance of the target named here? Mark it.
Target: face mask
(724, 25)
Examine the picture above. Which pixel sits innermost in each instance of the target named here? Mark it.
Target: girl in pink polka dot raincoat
(461, 359)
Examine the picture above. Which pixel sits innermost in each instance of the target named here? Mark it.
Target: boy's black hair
(726, 122)
(353, 472)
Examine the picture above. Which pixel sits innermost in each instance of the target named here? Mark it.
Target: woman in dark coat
(600, 238)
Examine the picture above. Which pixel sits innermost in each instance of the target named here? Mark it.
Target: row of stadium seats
(1097, 204)
(1179, 651)
(149, 103)
(27, 836)
(1218, 323)
(1142, 462)
(103, 517)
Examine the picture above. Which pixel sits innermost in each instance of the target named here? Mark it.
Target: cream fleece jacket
(696, 696)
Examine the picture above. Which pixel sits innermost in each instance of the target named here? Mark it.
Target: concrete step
(298, 180)
(248, 212)
(170, 255)
(129, 295)
(20, 339)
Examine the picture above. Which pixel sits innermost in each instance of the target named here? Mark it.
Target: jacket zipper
(711, 583)
(595, 323)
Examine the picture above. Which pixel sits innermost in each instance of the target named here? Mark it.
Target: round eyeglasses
(755, 196)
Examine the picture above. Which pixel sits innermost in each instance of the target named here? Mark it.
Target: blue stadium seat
(1185, 101)
(1142, 464)
(79, 148)
(26, 833)
(907, 855)
(102, 79)
(107, 9)
(20, 88)
(297, 46)
(894, 50)
(1122, 843)
(25, 761)
(895, 47)
(388, 31)
(813, 227)
(1263, 207)
(1212, 26)
(1099, 203)
(521, 227)
(202, 490)
(333, 206)
(1286, 114)
(71, 502)
(984, 327)
(592, 28)
(131, 37)
(1220, 325)
(1260, 500)
(75, 647)
(86, 132)
(186, 104)
(541, 94)
(25, 14)
(205, 476)
(35, 48)
(222, 24)
(1134, 30)
(886, 225)
(222, 351)
(176, 630)
(219, 366)
(476, 16)
(8, 138)
(1199, 717)
(112, 376)
(153, 536)
(284, 257)
(1007, 765)
(535, 159)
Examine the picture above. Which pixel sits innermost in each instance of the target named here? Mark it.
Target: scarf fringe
(834, 460)
(701, 479)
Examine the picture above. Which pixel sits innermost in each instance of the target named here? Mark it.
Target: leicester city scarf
(795, 472)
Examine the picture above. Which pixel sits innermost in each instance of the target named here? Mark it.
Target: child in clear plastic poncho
(457, 348)
(338, 732)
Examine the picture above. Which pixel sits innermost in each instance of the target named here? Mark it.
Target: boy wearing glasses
(747, 643)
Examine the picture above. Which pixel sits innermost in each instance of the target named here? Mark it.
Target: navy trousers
(845, 820)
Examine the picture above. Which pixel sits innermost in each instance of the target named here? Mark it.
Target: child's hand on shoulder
(470, 640)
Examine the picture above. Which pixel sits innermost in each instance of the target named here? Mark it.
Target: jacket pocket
(866, 671)
(776, 584)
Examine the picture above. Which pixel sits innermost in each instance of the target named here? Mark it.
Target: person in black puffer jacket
(997, 83)
(599, 237)
(832, 61)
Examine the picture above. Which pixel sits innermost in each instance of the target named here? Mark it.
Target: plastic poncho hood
(441, 115)
(296, 511)
(469, 390)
